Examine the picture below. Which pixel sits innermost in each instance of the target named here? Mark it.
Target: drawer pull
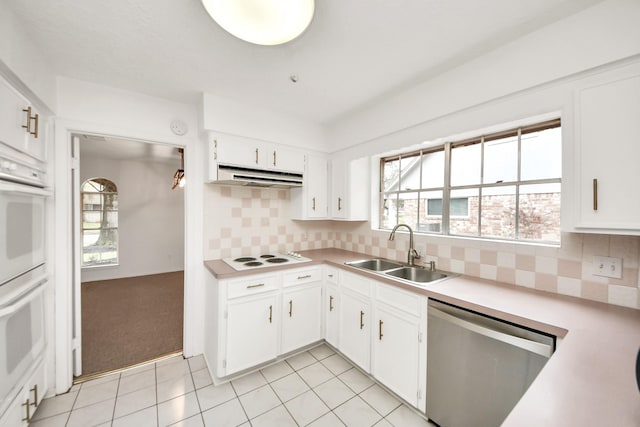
(331, 275)
(595, 194)
(270, 314)
(313, 203)
(306, 276)
(256, 156)
(274, 158)
(255, 286)
(380, 330)
(35, 395)
(361, 319)
(339, 204)
(290, 307)
(35, 132)
(27, 404)
(330, 302)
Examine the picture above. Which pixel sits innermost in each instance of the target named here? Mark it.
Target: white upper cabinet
(607, 152)
(310, 200)
(350, 189)
(256, 154)
(21, 125)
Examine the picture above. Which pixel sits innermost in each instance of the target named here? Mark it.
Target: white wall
(150, 217)
(602, 34)
(89, 108)
(234, 118)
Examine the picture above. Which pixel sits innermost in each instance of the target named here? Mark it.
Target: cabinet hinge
(419, 336)
(224, 363)
(215, 149)
(419, 394)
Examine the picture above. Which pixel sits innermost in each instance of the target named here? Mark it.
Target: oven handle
(17, 303)
(10, 187)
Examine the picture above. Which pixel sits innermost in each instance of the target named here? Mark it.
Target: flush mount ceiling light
(263, 22)
(178, 177)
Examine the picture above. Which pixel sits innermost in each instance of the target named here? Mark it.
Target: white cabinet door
(331, 307)
(285, 159)
(607, 135)
(310, 200)
(355, 328)
(252, 332)
(395, 352)
(13, 118)
(238, 151)
(350, 190)
(21, 410)
(301, 316)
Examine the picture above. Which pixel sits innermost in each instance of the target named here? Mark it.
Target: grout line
(115, 401)
(155, 374)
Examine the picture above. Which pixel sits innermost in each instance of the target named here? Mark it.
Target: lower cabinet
(301, 316)
(252, 332)
(355, 320)
(23, 407)
(396, 351)
(381, 328)
(254, 319)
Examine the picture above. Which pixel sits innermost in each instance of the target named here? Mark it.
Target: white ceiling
(354, 53)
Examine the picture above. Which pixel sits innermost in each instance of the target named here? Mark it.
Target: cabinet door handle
(313, 203)
(595, 194)
(274, 157)
(306, 276)
(290, 307)
(256, 156)
(361, 319)
(339, 204)
(28, 125)
(27, 405)
(35, 395)
(255, 286)
(270, 314)
(380, 330)
(330, 302)
(330, 275)
(35, 132)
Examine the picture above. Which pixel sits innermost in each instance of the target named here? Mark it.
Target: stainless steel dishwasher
(478, 367)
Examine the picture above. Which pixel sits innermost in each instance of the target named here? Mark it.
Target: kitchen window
(99, 197)
(503, 185)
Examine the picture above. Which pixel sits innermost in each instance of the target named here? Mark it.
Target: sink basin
(416, 274)
(375, 264)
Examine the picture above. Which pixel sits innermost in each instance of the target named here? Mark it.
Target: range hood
(229, 174)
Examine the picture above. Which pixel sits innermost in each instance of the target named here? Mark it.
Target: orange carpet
(131, 320)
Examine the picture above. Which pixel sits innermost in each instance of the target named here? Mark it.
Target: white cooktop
(254, 262)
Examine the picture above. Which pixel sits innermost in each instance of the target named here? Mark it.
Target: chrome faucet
(413, 254)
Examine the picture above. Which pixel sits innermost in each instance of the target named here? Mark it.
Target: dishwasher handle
(525, 344)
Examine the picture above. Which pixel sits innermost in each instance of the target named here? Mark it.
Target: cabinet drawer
(331, 275)
(400, 299)
(251, 286)
(356, 283)
(300, 276)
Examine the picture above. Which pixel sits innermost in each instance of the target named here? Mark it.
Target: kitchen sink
(376, 264)
(416, 274)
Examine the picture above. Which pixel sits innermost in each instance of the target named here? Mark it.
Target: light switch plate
(607, 267)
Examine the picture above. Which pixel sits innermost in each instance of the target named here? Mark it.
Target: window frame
(83, 229)
(447, 189)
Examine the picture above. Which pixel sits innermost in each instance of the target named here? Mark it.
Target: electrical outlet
(607, 267)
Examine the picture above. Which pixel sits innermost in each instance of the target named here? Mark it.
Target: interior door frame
(66, 343)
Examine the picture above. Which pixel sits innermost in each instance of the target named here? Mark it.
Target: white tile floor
(316, 388)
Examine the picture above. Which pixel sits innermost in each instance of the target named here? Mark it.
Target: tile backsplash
(242, 221)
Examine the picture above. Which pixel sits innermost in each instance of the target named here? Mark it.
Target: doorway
(129, 253)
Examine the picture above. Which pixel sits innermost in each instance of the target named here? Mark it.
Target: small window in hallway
(99, 198)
